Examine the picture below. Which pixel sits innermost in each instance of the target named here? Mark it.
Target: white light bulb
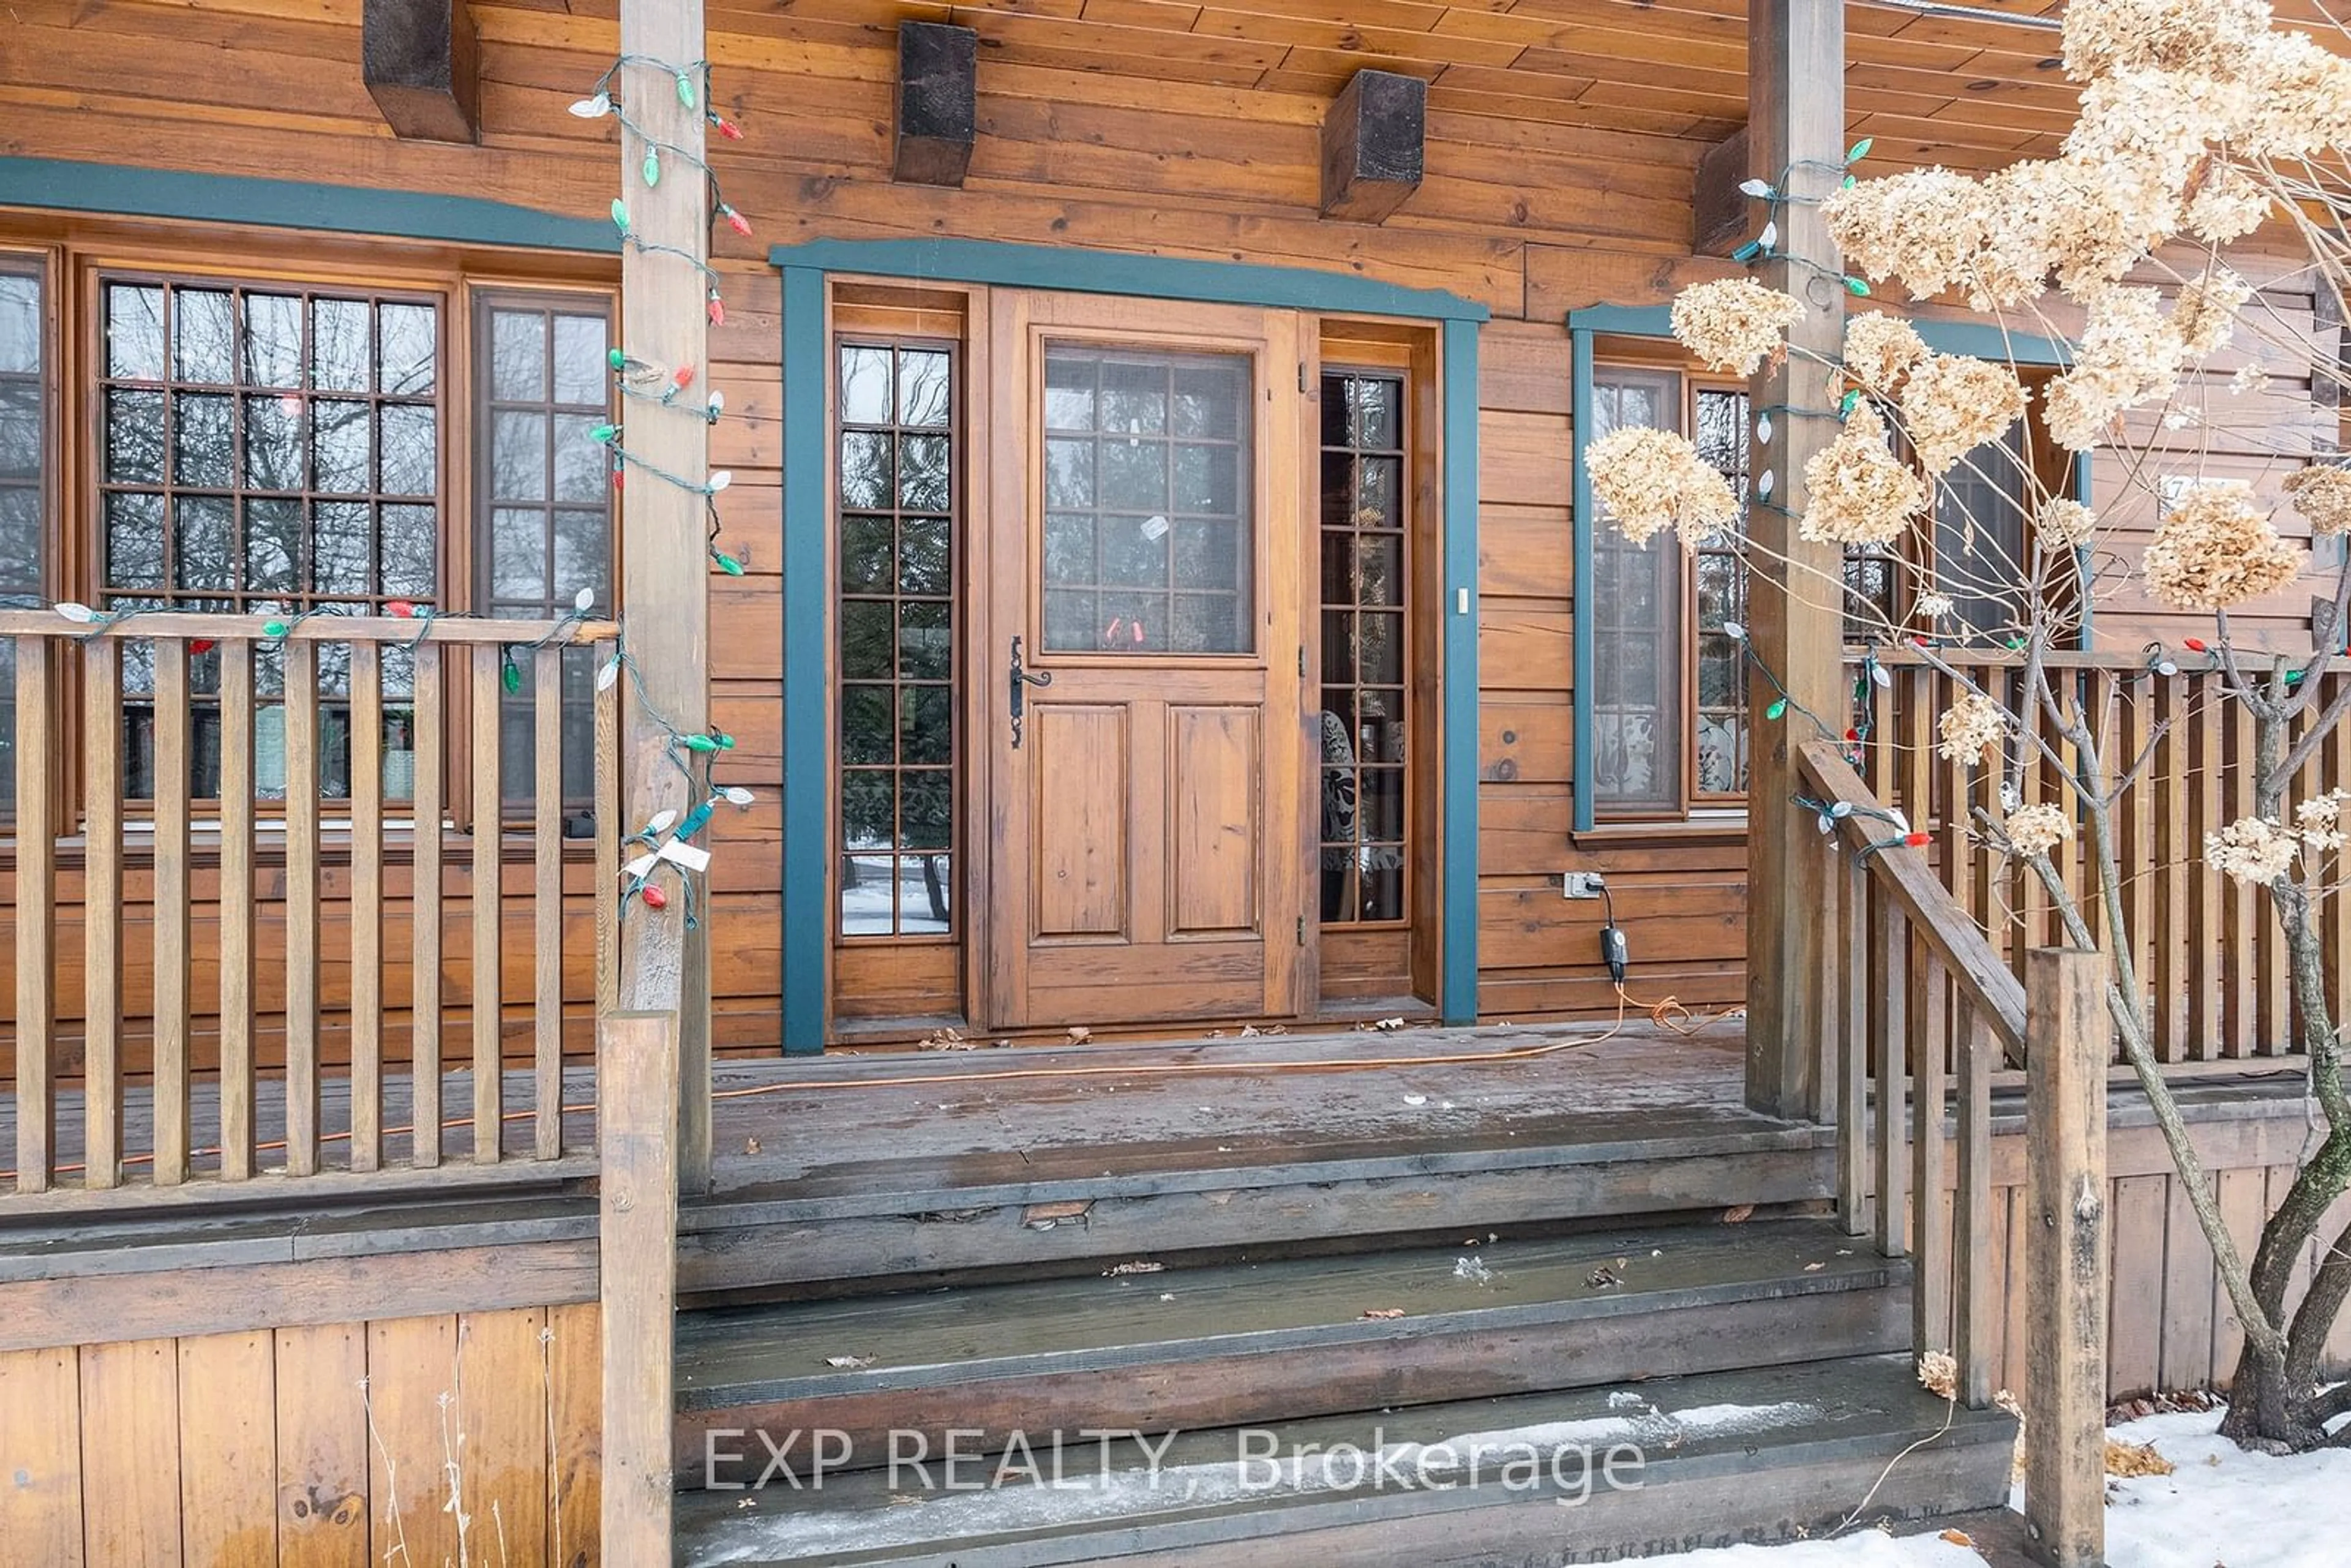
(586, 599)
(661, 819)
(1763, 430)
(720, 480)
(1734, 631)
(1758, 188)
(717, 405)
(1763, 484)
(1877, 673)
(1770, 236)
(81, 614)
(736, 795)
(608, 674)
(595, 107)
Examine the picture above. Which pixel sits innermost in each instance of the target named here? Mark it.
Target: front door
(1147, 828)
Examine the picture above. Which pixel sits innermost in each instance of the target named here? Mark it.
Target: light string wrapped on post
(667, 838)
(1775, 194)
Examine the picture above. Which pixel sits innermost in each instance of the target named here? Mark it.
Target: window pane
(582, 375)
(895, 619)
(272, 341)
(1635, 685)
(519, 369)
(23, 495)
(409, 349)
(203, 333)
(341, 354)
(1162, 524)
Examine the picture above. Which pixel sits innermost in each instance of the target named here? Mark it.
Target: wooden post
(1795, 64)
(636, 1133)
(665, 567)
(2069, 1043)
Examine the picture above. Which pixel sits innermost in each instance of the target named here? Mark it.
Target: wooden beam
(2065, 1256)
(1726, 215)
(1795, 52)
(939, 102)
(418, 58)
(665, 565)
(1373, 145)
(637, 1136)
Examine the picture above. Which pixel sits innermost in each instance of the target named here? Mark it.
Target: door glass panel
(1363, 847)
(1148, 535)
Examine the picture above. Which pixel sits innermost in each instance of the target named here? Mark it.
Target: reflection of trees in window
(23, 451)
(543, 500)
(1719, 734)
(265, 451)
(895, 469)
(1364, 546)
(1636, 612)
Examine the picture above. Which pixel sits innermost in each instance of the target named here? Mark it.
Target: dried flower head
(1734, 324)
(1879, 350)
(2251, 848)
(2205, 317)
(1970, 728)
(2065, 522)
(1934, 606)
(2080, 407)
(2319, 820)
(2214, 37)
(2227, 206)
(1651, 480)
(1939, 1374)
(2297, 100)
(1857, 491)
(2214, 550)
(2247, 379)
(2322, 493)
(2036, 830)
(1953, 404)
(1922, 226)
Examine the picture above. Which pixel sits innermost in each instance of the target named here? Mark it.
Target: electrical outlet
(1579, 885)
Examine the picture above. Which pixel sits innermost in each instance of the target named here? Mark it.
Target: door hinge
(1302, 661)
(1301, 377)
(1301, 931)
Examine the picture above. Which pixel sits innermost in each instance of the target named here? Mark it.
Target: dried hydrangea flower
(2319, 820)
(2214, 549)
(2079, 408)
(1953, 404)
(1922, 228)
(1970, 728)
(2322, 493)
(2036, 830)
(1856, 491)
(2205, 317)
(2298, 100)
(1935, 606)
(2228, 207)
(1734, 324)
(2247, 379)
(1879, 350)
(2214, 37)
(2065, 521)
(1652, 480)
(2251, 848)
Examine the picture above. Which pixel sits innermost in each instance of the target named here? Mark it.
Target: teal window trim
(110, 190)
(1978, 339)
(806, 929)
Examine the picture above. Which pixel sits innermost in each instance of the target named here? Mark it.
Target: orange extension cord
(1669, 1013)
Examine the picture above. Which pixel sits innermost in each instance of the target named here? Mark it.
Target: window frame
(80, 251)
(43, 264)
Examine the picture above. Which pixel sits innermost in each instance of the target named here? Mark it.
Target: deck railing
(1906, 962)
(2211, 961)
(236, 783)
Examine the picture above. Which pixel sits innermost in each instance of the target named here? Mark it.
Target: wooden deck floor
(809, 1127)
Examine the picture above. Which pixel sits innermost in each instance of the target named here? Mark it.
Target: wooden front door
(1147, 830)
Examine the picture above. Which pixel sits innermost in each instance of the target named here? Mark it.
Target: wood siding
(334, 1444)
(1560, 162)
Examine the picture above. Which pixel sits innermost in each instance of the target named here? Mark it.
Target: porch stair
(1576, 1249)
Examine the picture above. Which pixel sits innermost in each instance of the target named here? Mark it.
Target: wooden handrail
(172, 625)
(1903, 873)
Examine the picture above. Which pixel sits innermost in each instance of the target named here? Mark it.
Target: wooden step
(870, 1169)
(1722, 1458)
(1225, 1346)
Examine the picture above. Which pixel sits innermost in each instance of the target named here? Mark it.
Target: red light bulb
(728, 128)
(202, 645)
(401, 608)
(717, 309)
(684, 378)
(2194, 645)
(739, 223)
(653, 896)
(1915, 840)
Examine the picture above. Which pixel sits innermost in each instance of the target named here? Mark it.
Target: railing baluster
(2162, 789)
(488, 993)
(236, 910)
(174, 781)
(101, 761)
(1931, 1225)
(301, 908)
(425, 898)
(35, 916)
(1852, 1006)
(1887, 961)
(547, 841)
(366, 907)
(1975, 1314)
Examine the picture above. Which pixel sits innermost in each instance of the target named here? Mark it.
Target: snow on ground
(2221, 1508)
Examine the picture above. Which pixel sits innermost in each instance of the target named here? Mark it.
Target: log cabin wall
(1563, 140)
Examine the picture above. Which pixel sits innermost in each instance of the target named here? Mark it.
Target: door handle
(1022, 679)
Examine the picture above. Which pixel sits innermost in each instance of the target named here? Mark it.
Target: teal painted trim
(1624, 321)
(1457, 997)
(1585, 639)
(115, 191)
(1077, 271)
(808, 775)
(1980, 341)
(2083, 485)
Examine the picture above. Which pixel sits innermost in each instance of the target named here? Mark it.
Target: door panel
(1143, 544)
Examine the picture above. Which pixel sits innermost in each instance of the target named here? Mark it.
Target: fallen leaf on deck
(1388, 1023)
(750, 1145)
(849, 1363)
(1383, 1311)
(1737, 1212)
(1248, 1030)
(1959, 1538)
(944, 1039)
(1814, 1268)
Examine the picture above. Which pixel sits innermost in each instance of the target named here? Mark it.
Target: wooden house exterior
(1159, 600)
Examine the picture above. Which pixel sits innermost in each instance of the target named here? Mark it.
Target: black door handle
(1022, 680)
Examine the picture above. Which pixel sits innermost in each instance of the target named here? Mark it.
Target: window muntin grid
(898, 506)
(266, 449)
(1365, 566)
(1149, 491)
(543, 502)
(1718, 683)
(1636, 612)
(24, 473)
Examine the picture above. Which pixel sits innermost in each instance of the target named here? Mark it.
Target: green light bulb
(511, 677)
(1846, 404)
(275, 629)
(727, 563)
(1779, 708)
(619, 214)
(700, 743)
(604, 435)
(685, 90)
(617, 360)
(1854, 286)
(651, 170)
(1859, 149)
